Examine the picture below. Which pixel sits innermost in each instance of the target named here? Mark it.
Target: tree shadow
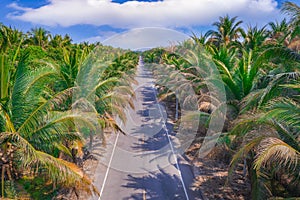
(155, 135)
(156, 186)
(213, 182)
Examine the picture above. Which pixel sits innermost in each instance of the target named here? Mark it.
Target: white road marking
(172, 149)
(108, 167)
(171, 145)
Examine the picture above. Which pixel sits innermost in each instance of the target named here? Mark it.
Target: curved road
(144, 164)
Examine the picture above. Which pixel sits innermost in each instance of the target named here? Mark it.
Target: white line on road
(171, 145)
(108, 167)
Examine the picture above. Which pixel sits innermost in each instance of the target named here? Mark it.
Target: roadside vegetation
(259, 71)
(43, 136)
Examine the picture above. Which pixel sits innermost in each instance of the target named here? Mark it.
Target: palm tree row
(258, 71)
(51, 93)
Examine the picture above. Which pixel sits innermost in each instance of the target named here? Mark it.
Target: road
(144, 164)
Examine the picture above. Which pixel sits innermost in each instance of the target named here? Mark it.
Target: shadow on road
(155, 186)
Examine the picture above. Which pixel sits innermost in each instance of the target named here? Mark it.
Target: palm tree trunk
(253, 178)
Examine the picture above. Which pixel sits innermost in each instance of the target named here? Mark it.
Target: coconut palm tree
(11, 42)
(269, 130)
(59, 42)
(33, 126)
(39, 36)
(9, 38)
(272, 149)
(102, 80)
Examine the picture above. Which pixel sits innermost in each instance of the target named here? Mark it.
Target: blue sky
(96, 20)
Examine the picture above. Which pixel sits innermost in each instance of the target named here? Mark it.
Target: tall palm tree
(293, 10)
(59, 42)
(39, 36)
(279, 31)
(255, 37)
(228, 31)
(9, 38)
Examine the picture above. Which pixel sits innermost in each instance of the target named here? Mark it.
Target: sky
(98, 20)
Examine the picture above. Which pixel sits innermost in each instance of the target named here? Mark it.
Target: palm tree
(279, 31)
(269, 130)
(228, 31)
(39, 122)
(32, 127)
(10, 38)
(59, 42)
(39, 36)
(293, 11)
(255, 38)
(153, 55)
(102, 81)
(11, 42)
(271, 147)
(202, 39)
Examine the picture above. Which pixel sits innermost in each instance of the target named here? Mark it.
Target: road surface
(144, 163)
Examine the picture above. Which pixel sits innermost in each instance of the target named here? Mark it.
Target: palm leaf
(59, 170)
(273, 150)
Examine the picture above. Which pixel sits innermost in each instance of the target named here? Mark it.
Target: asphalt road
(144, 163)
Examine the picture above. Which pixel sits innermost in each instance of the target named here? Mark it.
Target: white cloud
(132, 14)
(145, 38)
(17, 7)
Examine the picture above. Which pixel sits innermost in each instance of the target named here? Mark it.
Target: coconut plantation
(215, 116)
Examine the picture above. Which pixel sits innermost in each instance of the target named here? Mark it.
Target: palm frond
(243, 152)
(59, 170)
(28, 90)
(38, 114)
(273, 150)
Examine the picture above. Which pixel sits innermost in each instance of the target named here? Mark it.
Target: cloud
(146, 38)
(133, 14)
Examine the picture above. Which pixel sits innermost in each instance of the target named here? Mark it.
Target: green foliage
(123, 63)
(10, 190)
(38, 187)
(259, 72)
(153, 55)
(38, 79)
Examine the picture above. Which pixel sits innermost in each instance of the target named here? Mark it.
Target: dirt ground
(211, 176)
